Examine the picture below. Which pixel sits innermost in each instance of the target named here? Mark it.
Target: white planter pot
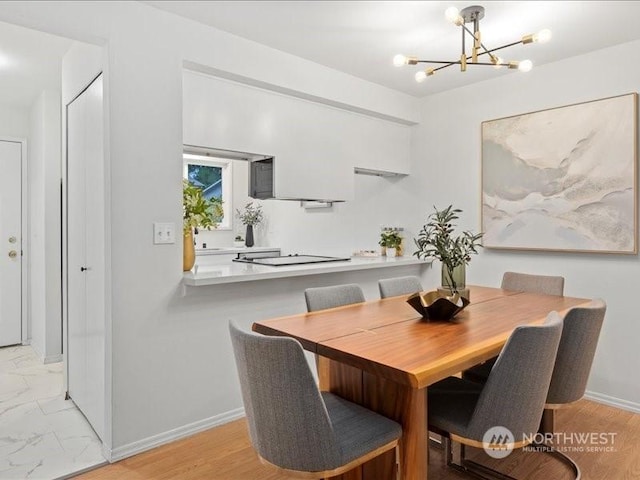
(238, 244)
(391, 252)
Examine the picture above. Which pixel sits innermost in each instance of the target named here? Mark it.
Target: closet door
(85, 254)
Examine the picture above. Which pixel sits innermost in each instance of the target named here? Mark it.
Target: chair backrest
(392, 287)
(515, 393)
(321, 298)
(288, 421)
(577, 348)
(523, 282)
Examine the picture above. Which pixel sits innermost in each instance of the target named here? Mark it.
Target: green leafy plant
(390, 239)
(436, 240)
(239, 238)
(197, 211)
(250, 215)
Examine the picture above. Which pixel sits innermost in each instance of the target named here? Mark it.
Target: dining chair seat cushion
(357, 429)
(451, 404)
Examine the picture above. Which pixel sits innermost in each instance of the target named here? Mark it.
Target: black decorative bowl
(435, 305)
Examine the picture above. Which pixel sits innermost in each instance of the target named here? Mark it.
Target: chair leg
(398, 463)
(547, 423)
(436, 441)
(470, 467)
(544, 448)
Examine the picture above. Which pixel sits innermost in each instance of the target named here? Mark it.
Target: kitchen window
(213, 176)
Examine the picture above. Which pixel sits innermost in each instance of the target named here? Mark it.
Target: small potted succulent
(250, 216)
(238, 242)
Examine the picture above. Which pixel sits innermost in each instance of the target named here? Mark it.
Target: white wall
(447, 156)
(14, 121)
(171, 354)
(44, 169)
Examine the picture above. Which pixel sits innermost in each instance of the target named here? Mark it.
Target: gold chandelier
(460, 18)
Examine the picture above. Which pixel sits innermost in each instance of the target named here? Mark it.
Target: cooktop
(284, 260)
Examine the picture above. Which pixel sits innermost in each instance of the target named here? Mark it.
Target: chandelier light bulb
(499, 62)
(525, 65)
(399, 60)
(543, 36)
(421, 76)
(453, 15)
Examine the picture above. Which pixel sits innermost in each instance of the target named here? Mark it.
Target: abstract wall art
(562, 179)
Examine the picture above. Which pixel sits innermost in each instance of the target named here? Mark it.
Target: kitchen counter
(233, 272)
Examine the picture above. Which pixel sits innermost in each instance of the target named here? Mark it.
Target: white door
(11, 243)
(85, 254)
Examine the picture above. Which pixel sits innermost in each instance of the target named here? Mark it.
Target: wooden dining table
(383, 355)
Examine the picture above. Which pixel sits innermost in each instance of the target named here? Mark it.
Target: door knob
(12, 239)
(84, 269)
(13, 254)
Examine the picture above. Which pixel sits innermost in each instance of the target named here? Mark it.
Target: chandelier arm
(486, 50)
(449, 64)
(464, 48)
(503, 46)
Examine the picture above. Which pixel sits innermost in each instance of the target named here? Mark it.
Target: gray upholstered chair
(519, 282)
(523, 282)
(392, 287)
(513, 396)
(320, 298)
(292, 425)
(577, 348)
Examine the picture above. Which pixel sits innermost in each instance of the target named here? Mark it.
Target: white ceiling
(361, 37)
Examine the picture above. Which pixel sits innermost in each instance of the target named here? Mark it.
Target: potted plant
(436, 240)
(250, 216)
(238, 242)
(197, 212)
(391, 243)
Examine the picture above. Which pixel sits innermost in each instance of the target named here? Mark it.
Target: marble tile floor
(42, 435)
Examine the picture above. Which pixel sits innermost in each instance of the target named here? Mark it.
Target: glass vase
(459, 278)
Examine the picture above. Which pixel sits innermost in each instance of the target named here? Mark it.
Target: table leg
(408, 406)
(402, 403)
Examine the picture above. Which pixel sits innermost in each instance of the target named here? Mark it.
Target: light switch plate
(164, 233)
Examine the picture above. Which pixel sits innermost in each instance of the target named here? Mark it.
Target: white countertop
(233, 272)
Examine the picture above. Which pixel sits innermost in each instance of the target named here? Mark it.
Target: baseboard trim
(613, 401)
(120, 453)
(52, 359)
(46, 359)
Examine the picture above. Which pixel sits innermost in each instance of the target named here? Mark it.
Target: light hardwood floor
(224, 453)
